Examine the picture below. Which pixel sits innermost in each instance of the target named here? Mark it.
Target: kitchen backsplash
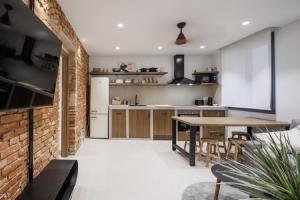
(175, 95)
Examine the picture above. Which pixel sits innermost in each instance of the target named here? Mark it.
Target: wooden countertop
(228, 121)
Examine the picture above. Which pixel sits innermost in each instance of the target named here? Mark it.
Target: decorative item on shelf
(212, 69)
(97, 70)
(123, 67)
(209, 69)
(144, 69)
(116, 69)
(127, 81)
(116, 101)
(153, 69)
(119, 81)
(131, 67)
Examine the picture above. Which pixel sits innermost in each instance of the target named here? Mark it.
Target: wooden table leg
(217, 190)
(193, 145)
(174, 134)
(249, 131)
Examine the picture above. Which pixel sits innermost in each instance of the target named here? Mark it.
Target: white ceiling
(151, 23)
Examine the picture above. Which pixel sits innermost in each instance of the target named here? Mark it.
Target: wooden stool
(211, 142)
(238, 144)
(221, 137)
(186, 139)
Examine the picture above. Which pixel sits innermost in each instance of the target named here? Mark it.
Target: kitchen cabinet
(211, 129)
(162, 124)
(118, 128)
(139, 123)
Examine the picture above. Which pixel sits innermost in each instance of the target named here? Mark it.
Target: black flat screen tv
(29, 58)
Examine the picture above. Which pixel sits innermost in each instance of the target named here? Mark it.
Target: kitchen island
(154, 121)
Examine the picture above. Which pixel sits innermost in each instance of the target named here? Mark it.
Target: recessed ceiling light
(159, 47)
(120, 25)
(246, 23)
(117, 48)
(202, 47)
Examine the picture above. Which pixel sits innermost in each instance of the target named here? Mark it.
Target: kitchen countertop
(166, 107)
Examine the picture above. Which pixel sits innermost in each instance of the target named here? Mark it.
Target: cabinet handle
(94, 117)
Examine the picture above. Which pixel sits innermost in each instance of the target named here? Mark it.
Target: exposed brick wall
(14, 124)
(51, 13)
(14, 147)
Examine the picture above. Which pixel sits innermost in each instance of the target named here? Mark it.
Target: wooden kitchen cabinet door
(139, 123)
(162, 124)
(118, 128)
(208, 130)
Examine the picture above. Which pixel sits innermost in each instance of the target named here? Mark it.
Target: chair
(237, 140)
(238, 144)
(212, 146)
(186, 139)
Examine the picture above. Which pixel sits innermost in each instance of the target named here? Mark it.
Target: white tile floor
(134, 170)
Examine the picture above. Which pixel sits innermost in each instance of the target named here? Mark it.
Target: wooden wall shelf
(202, 73)
(128, 73)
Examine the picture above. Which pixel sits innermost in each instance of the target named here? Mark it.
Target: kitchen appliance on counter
(208, 101)
(99, 104)
(199, 102)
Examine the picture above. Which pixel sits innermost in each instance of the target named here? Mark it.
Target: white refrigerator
(99, 104)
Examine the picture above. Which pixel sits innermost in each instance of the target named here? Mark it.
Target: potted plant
(272, 172)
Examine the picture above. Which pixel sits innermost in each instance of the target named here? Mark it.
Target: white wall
(288, 72)
(176, 95)
(287, 63)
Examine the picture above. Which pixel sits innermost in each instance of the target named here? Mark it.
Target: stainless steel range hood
(179, 78)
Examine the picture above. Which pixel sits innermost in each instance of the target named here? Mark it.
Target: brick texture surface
(14, 124)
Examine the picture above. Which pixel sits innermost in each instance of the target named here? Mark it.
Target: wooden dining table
(195, 122)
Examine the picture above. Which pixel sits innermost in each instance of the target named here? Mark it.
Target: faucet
(136, 100)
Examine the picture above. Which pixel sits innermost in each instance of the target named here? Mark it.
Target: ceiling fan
(181, 38)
